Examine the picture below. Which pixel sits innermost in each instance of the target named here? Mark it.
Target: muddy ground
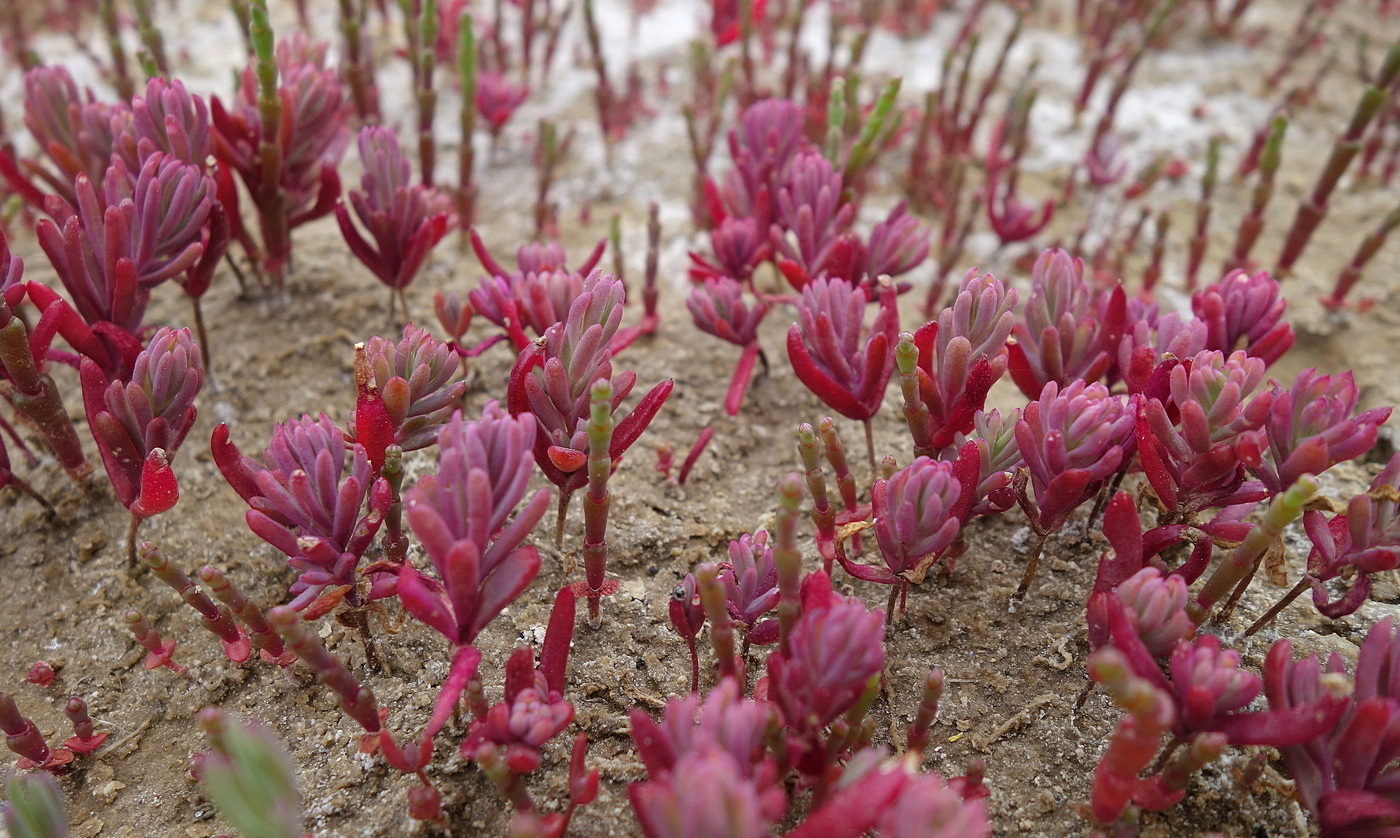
(1011, 678)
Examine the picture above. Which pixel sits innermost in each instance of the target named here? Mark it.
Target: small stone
(89, 546)
(108, 791)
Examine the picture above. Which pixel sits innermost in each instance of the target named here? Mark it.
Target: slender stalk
(916, 412)
(823, 516)
(1305, 31)
(951, 254)
(36, 397)
(420, 20)
(150, 35)
(1032, 565)
(561, 515)
(1120, 84)
(743, 372)
(877, 129)
(1253, 222)
(356, 67)
(786, 557)
(547, 154)
(466, 152)
(270, 198)
(836, 455)
(1278, 607)
(1201, 239)
(9, 478)
(749, 92)
(264, 638)
(21, 49)
(619, 258)
(721, 624)
(217, 619)
(650, 293)
(121, 73)
(835, 119)
(604, 95)
(794, 51)
(1159, 249)
(1129, 243)
(1240, 567)
(870, 442)
(693, 455)
(1313, 208)
(355, 699)
(926, 713)
(131, 529)
(1225, 26)
(395, 542)
(159, 652)
(597, 500)
(242, 12)
(1368, 248)
(920, 156)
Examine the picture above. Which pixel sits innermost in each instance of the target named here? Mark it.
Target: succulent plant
(1312, 426)
(284, 134)
(739, 244)
(29, 387)
(247, 775)
(552, 380)
(412, 380)
(22, 737)
(823, 668)
(110, 248)
(998, 458)
(1068, 330)
(703, 794)
(497, 99)
(167, 118)
(1363, 540)
(947, 367)
(74, 131)
(764, 145)
(809, 206)
(507, 738)
(750, 580)
(1156, 604)
(928, 806)
(460, 515)
(829, 356)
(1344, 774)
(1153, 344)
(139, 424)
(405, 219)
(1072, 442)
(538, 294)
(307, 497)
(34, 807)
(718, 308)
(1199, 459)
(1245, 312)
(918, 512)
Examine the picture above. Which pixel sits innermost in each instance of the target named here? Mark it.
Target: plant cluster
(1159, 427)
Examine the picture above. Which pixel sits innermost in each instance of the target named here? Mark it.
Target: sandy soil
(1012, 678)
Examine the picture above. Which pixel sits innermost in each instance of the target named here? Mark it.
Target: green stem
(1282, 511)
(596, 501)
